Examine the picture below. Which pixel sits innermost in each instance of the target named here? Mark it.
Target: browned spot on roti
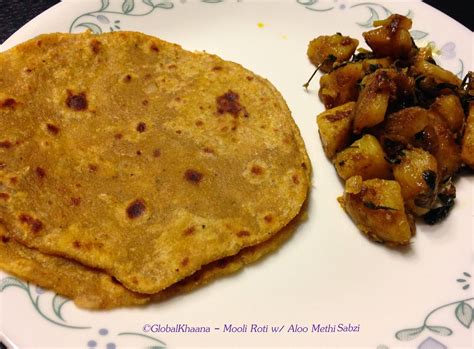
(229, 103)
(76, 244)
(208, 150)
(93, 168)
(95, 45)
(141, 127)
(185, 261)
(127, 78)
(40, 172)
(193, 176)
(5, 144)
(118, 136)
(75, 201)
(189, 230)
(76, 102)
(216, 68)
(53, 129)
(243, 233)
(154, 48)
(35, 224)
(256, 170)
(295, 179)
(4, 196)
(268, 218)
(157, 153)
(5, 239)
(136, 209)
(8, 103)
(199, 123)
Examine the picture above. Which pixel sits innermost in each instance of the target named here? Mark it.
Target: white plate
(328, 273)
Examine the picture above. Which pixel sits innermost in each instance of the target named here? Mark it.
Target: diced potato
(392, 39)
(325, 50)
(447, 151)
(373, 100)
(365, 158)
(404, 125)
(341, 85)
(467, 152)
(423, 129)
(335, 128)
(450, 109)
(376, 206)
(423, 67)
(370, 65)
(417, 174)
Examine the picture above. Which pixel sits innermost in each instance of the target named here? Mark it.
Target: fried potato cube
(417, 174)
(335, 128)
(373, 100)
(467, 152)
(392, 38)
(421, 66)
(423, 129)
(450, 109)
(405, 125)
(325, 50)
(365, 158)
(376, 206)
(341, 85)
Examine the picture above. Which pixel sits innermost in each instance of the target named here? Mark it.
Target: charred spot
(145, 102)
(249, 78)
(341, 163)
(304, 166)
(40, 172)
(95, 46)
(268, 218)
(154, 48)
(256, 170)
(28, 70)
(139, 152)
(199, 123)
(224, 129)
(178, 131)
(75, 201)
(185, 261)
(4, 196)
(77, 102)
(53, 129)
(35, 224)
(76, 244)
(5, 144)
(5, 239)
(229, 103)
(189, 231)
(39, 43)
(141, 127)
(118, 136)
(430, 178)
(8, 103)
(216, 68)
(157, 153)
(136, 209)
(208, 150)
(243, 233)
(172, 66)
(127, 78)
(338, 116)
(14, 180)
(93, 168)
(2, 165)
(193, 176)
(134, 280)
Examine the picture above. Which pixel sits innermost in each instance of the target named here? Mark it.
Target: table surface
(13, 15)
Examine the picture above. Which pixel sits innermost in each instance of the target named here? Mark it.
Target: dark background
(15, 13)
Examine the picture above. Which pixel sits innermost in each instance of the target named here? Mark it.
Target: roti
(129, 154)
(94, 289)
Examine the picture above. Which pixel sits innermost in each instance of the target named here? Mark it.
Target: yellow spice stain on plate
(260, 25)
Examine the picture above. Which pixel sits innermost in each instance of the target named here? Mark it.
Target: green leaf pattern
(464, 313)
(128, 6)
(12, 282)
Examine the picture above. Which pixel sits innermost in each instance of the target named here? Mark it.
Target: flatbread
(129, 154)
(94, 289)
